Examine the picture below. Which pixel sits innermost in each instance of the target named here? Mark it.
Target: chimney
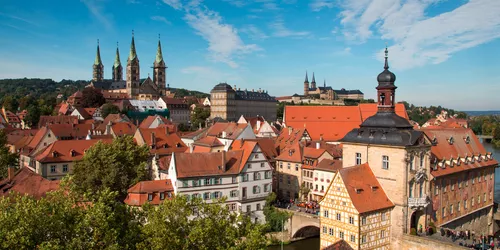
(224, 160)
(11, 171)
(224, 134)
(258, 125)
(153, 140)
(321, 137)
(289, 130)
(108, 128)
(191, 148)
(93, 126)
(318, 145)
(166, 130)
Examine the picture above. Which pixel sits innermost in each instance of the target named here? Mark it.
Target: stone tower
(133, 73)
(306, 86)
(386, 89)
(98, 68)
(159, 71)
(117, 67)
(313, 82)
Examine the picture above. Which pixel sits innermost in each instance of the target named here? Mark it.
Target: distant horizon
(440, 51)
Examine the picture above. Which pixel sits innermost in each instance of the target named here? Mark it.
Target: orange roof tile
(329, 165)
(146, 123)
(291, 153)
(210, 141)
(359, 181)
(233, 130)
(70, 130)
(164, 143)
(151, 186)
(123, 128)
(27, 182)
(265, 144)
(66, 150)
(200, 149)
(289, 136)
(60, 119)
(332, 123)
(207, 164)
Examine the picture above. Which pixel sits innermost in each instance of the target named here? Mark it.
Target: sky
(443, 52)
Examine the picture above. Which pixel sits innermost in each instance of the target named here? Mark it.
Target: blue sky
(443, 52)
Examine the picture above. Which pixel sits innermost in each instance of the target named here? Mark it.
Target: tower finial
(97, 41)
(132, 33)
(307, 78)
(386, 65)
(98, 55)
(132, 54)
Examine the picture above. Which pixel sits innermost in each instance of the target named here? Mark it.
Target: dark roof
(222, 87)
(347, 92)
(147, 87)
(108, 84)
(386, 120)
(386, 77)
(325, 88)
(254, 96)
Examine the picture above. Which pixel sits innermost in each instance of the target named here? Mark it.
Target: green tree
(109, 108)
(33, 116)
(92, 98)
(274, 217)
(26, 101)
(7, 159)
(212, 226)
(199, 116)
(117, 166)
(10, 103)
(304, 190)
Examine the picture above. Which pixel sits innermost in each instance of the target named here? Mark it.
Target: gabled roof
(164, 143)
(232, 130)
(291, 153)
(70, 130)
(339, 245)
(289, 136)
(209, 141)
(123, 128)
(208, 164)
(27, 182)
(363, 188)
(146, 123)
(60, 119)
(66, 150)
(334, 149)
(265, 144)
(313, 153)
(138, 194)
(83, 112)
(113, 118)
(332, 123)
(329, 165)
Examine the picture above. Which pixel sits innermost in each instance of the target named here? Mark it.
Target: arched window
(410, 189)
(382, 98)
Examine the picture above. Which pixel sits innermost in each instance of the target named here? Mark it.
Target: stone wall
(410, 242)
(480, 222)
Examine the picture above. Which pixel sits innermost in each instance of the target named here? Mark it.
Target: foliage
(423, 114)
(61, 221)
(117, 166)
(304, 190)
(92, 98)
(7, 159)
(181, 93)
(212, 226)
(183, 127)
(274, 217)
(109, 108)
(199, 116)
(10, 103)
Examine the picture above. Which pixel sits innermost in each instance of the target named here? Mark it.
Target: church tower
(133, 73)
(306, 86)
(313, 82)
(159, 70)
(386, 89)
(117, 67)
(98, 68)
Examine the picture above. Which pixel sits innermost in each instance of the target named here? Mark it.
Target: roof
(66, 150)
(289, 136)
(60, 119)
(329, 165)
(27, 182)
(146, 123)
(313, 152)
(332, 123)
(123, 128)
(210, 141)
(113, 118)
(265, 144)
(70, 130)
(84, 113)
(144, 187)
(65, 107)
(339, 245)
(233, 130)
(176, 101)
(359, 181)
(464, 144)
(208, 164)
(334, 149)
(222, 87)
(254, 96)
(165, 143)
(291, 153)
(195, 134)
(348, 92)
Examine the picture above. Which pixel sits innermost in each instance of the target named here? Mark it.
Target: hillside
(423, 114)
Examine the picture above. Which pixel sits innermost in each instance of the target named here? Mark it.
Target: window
(162, 196)
(185, 184)
(422, 157)
(341, 235)
(65, 168)
(235, 180)
(206, 196)
(465, 204)
(325, 213)
(363, 239)
(382, 233)
(484, 197)
(412, 159)
(196, 183)
(262, 164)
(353, 238)
(452, 185)
(256, 176)
(436, 189)
(358, 158)
(258, 206)
(458, 206)
(385, 162)
(266, 188)
(249, 208)
(473, 178)
(288, 165)
(256, 189)
(478, 199)
(324, 230)
(150, 197)
(421, 190)
(249, 166)
(217, 195)
(281, 164)
(233, 193)
(296, 167)
(351, 220)
(443, 212)
(363, 220)
(256, 156)
(330, 231)
(383, 216)
(52, 169)
(410, 190)
(207, 182)
(472, 202)
(459, 181)
(338, 216)
(289, 180)
(244, 177)
(451, 209)
(268, 174)
(281, 178)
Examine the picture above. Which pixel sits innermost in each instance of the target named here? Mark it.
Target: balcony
(322, 180)
(418, 203)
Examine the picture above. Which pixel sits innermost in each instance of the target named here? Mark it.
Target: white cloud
(254, 32)
(237, 3)
(419, 39)
(176, 4)
(97, 11)
(224, 43)
(161, 19)
(317, 5)
(281, 31)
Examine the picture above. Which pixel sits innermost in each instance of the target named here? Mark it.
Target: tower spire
(307, 78)
(133, 54)
(386, 65)
(159, 55)
(324, 83)
(98, 55)
(117, 57)
(313, 80)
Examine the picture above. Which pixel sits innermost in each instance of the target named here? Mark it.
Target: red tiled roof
(165, 143)
(64, 109)
(170, 101)
(265, 144)
(11, 117)
(37, 138)
(27, 182)
(200, 149)
(233, 130)
(60, 119)
(210, 141)
(313, 152)
(123, 128)
(332, 122)
(207, 164)
(291, 153)
(73, 130)
(334, 149)
(358, 181)
(165, 162)
(146, 123)
(329, 165)
(339, 245)
(289, 136)
(67, 150)
(113, 118)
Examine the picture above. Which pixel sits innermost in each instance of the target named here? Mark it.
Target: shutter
(212, 181)
(212, 195)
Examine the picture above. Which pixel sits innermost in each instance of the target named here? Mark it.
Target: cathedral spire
(324, 83)
(133, 54)
(117, 57)
(159, 55)
(98, 55)
(307, 78)
(313, 80)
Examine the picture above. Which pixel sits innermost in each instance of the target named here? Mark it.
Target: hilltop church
(148, 89)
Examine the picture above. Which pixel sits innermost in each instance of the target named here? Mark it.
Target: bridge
(302, 225)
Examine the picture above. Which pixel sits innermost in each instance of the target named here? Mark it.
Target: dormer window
(458, 161)
(72, 153)
(358, 190)
(451, 162)
(372, 133)
(55, 154)
(150, 197)
(467, 139)
(434, 141)
(451, 140)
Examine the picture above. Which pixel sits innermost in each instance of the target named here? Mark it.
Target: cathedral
(148, 89)
(328, 93)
